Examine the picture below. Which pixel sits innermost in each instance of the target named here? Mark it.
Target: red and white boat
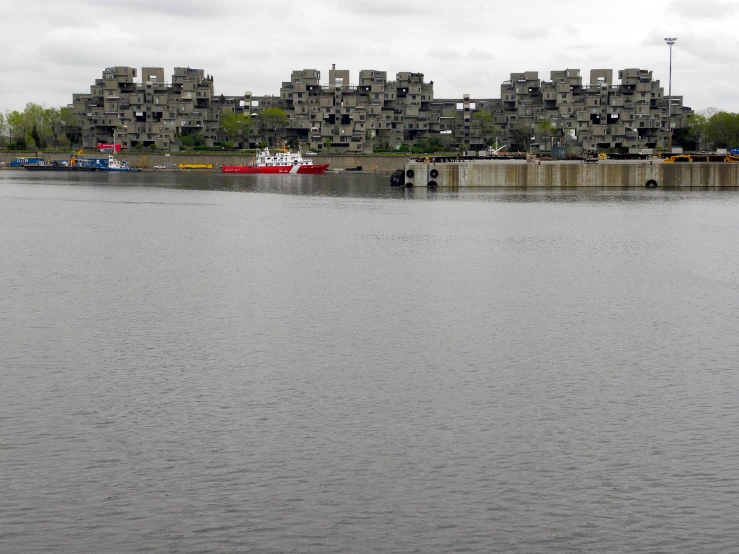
(279, 162)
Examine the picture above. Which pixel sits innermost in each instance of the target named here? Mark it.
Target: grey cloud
(97, 44)
(380, 9)
(443, 54)
(716, 50)
(479, 54)
(529, 32)
(176, 8)
(713, 48)
(704, 9)
(235, 54)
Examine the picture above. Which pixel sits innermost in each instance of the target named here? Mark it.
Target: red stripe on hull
(276, 170)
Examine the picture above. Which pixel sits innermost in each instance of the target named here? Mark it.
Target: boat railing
(459, 158)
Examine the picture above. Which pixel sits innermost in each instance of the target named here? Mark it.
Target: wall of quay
(518, 174)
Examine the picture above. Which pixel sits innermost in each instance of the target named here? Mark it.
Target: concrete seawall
(572, 174)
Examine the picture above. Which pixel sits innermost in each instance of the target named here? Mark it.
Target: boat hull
(57, 168)
(313, 169)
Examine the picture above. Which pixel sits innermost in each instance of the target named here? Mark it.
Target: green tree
(52, 122)
(70, 128)
(16, 127)
(546, 130)
(447, 144)
(191, 141)
(430, 145)
(273, 120)
(697, 124)
(522, 136)
(35, 124)
(235, 126)
(722, 129)
(683, 137)
(36, 137)
(3, 129)
(68, 117)
(709, 111)
(490, 131)
(187, 141)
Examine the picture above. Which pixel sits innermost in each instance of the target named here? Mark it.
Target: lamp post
(670, 41)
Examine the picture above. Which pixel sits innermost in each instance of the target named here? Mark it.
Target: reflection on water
(359, 185)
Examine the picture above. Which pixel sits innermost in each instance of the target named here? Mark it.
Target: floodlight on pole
(670, 42)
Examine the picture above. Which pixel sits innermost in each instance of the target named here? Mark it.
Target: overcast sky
(54, 48)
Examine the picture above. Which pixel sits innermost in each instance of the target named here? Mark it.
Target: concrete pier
(607, 173)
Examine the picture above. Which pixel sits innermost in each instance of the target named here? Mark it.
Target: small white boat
(118, 165)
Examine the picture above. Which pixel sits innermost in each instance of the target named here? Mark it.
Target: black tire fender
(409, 173)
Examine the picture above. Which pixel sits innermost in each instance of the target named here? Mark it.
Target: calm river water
(207, 363)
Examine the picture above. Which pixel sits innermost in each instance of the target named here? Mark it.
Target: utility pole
(670, 41)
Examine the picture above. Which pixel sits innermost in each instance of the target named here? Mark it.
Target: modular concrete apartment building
(150, 111)
(356, 118)
(629, 115)
(346, 117)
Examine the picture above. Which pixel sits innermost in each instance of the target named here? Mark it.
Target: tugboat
(284, 162)
(119, 166)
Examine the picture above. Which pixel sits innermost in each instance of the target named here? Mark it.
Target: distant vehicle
(311, 154)
(160, 167)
